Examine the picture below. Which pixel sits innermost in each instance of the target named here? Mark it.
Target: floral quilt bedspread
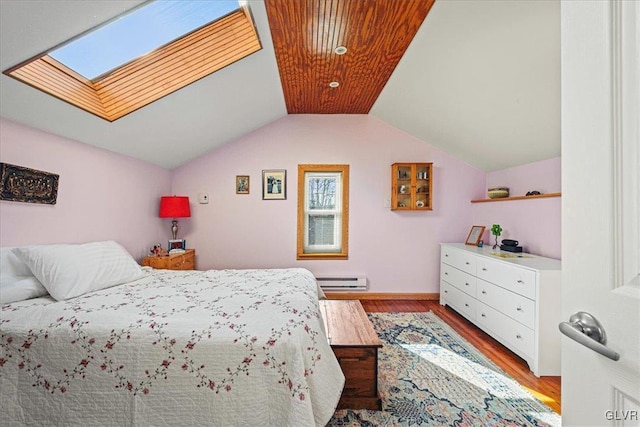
(218, 347)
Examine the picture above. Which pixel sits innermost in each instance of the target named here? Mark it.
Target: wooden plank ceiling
(306, 33)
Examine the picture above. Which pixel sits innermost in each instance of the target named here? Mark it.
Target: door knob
(585, 329)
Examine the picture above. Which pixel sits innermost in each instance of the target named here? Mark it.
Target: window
(136, 33)
(323, 211)
(91, 83)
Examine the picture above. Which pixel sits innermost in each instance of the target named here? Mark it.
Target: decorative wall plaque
(20, 184)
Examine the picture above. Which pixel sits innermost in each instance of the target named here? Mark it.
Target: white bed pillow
(68, 271)
(11, 265)
(21, 289)
(16, 281)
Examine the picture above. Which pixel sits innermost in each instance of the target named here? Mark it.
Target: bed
(217, 347)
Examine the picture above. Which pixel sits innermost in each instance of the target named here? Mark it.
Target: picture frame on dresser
(475, 235)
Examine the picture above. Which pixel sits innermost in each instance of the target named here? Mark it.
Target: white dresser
(515, 298)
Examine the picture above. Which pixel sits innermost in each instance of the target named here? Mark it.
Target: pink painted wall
(543, 176)
(534, 223)
(101, 195)
(398, 251)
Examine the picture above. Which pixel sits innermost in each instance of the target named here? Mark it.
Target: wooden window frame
(150, 77)
(344, 197)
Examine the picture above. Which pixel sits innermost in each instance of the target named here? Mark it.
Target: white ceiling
(481, 80)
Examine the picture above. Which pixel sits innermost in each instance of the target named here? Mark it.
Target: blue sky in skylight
(137, 33)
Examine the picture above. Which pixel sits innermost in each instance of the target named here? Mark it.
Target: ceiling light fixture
(334, 84)
(340, 50)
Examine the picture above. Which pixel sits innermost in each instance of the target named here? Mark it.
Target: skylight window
(132, 35)
(142, 56)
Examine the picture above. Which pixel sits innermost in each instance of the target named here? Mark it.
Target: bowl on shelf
(498, 192)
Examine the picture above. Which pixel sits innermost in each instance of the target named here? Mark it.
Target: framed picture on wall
(21, 184)
(475, 235)
(274, 184)
(242, 184)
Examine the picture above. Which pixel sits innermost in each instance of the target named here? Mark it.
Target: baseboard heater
(342, 283)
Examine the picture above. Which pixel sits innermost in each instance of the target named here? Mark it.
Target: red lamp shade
(174, 207)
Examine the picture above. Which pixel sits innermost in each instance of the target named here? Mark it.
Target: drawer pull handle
(446, 255)
(484, 269)
(519, 309)
(446, 274)
(446, 292)
(521, 281)
(467, 262)
(519, 336)
(466, 305)
(466, 284)
(484, 292)
(482, 315)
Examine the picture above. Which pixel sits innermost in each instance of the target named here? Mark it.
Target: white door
(601, 207)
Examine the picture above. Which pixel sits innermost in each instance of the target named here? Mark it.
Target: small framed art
(274, 184)
(475, 235)
(242, 184)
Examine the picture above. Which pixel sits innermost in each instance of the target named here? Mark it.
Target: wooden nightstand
(355, 344)
(182, 261)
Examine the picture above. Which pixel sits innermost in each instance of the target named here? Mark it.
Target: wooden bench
(355, 344)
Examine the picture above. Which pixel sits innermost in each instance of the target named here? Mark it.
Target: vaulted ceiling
(480, 79)
(308, 35)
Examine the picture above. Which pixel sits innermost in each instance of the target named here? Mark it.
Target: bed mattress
(218, 347)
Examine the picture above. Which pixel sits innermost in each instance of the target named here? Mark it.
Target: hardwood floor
(546, 389)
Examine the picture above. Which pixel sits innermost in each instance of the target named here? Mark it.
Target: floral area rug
(428, 375)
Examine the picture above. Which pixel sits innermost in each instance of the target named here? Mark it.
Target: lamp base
(174, 229)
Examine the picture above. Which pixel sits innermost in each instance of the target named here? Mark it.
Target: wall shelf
(505, 199)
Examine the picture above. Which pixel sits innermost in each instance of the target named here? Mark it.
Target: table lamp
(174, 207)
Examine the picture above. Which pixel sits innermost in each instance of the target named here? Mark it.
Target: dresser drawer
(463, 303)
(461, 260)
(512, 333)
(513, 305)
(458, 278)
(513, 278)
(183, 261)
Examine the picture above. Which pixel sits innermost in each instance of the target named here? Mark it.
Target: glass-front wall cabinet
(411, 186)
